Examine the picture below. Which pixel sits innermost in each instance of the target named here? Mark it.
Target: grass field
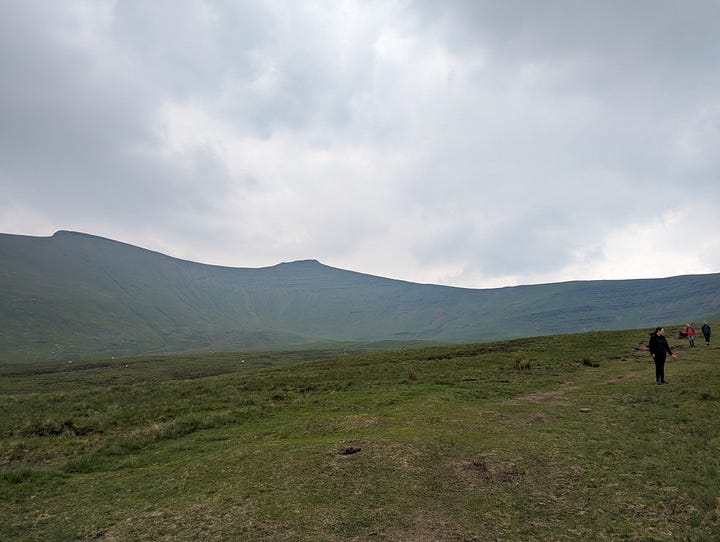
(445, 443)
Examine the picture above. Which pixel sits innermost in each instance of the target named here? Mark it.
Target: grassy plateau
(445, 443)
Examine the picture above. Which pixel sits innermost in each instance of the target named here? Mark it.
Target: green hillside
(446, 443)
(77, 296)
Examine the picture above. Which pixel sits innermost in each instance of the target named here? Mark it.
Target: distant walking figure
(659, 348)
(706, 332)
(690, 333)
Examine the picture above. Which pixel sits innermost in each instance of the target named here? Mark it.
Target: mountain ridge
(79, 295)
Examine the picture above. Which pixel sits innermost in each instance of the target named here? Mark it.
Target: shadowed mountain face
(77, 295)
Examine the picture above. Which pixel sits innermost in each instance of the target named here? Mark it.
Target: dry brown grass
(521, 362)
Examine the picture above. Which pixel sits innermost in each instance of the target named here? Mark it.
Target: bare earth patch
(552, 397)
(484, 470)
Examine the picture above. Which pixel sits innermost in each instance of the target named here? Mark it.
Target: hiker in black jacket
(706, 333)
(659, 348)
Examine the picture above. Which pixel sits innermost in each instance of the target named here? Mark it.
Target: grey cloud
(524, 243)
(638, 60)
(72, 130)
(625, 31)
(191, 48)
(556, 122)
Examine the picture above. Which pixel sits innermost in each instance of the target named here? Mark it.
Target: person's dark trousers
(707, 339)
(659, 370)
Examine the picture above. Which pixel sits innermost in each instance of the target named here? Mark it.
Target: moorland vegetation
(442, 443)
(76, 296)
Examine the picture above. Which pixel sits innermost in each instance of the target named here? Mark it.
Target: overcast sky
(469, 143)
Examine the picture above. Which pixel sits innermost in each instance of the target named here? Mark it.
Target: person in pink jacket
(690, 333)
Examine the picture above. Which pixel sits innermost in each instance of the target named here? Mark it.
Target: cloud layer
(476, 144)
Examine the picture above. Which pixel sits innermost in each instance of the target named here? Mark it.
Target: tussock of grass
(443, 443)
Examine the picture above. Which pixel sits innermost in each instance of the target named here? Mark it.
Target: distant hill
(76, 295)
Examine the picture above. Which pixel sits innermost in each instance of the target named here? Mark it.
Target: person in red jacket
(690, 334)
(659, 348)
